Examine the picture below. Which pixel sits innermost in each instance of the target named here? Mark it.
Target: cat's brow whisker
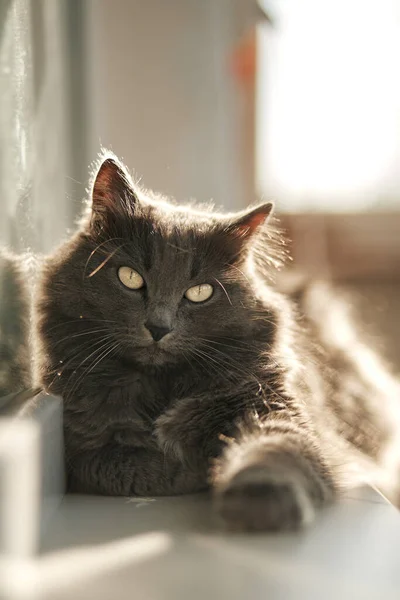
(185, 250)
(231, 266)
(95, 250)
(224, 289)
(105, 261)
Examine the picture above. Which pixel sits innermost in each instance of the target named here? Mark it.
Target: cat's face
(164, 283)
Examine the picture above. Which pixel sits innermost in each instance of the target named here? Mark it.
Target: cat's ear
(112, 192)
(244, 226)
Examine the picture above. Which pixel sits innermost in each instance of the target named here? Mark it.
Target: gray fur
(245, 393)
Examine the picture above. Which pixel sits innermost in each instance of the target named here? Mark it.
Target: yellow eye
(199, 293)
(130, 278)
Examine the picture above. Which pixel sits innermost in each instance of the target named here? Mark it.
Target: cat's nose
(157, 331)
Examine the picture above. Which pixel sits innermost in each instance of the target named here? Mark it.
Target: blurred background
(297, 101)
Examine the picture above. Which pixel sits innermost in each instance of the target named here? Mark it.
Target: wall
(162, 95)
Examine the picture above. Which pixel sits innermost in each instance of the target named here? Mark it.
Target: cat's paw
(170, 435)
(184, 434)
(259, 499)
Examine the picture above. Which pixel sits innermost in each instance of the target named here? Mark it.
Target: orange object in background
(244, 60)
(244, 64)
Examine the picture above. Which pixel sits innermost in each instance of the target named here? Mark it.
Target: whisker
(224, 289)
(80, 320)
(83, 346)
(103, 356)
(95, 250)
(75, 335)
(103, 345)
(105, 261)
(228, 361)
(66, 366)
(200, 359)
(223, 364)
(241, 272)
(245, 346)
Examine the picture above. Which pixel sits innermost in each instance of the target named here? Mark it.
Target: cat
(182, 366)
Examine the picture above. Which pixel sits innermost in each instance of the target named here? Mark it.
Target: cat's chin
(152, 355)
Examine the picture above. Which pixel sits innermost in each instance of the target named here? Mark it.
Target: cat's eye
(130, 278)
(199, 293)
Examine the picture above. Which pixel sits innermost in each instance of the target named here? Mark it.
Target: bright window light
(328, 105)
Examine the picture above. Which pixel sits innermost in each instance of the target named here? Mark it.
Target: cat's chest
(123, 408)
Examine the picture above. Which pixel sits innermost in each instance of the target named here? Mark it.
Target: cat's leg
(273, 477)
(118, 471)
(191, 430)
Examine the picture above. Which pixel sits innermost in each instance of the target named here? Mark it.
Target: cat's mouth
(152, 353)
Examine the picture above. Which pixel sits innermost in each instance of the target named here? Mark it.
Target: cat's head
(158, 283)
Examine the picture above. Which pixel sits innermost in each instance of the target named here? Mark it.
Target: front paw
(183, 433)
(170, 435)
(263, 499)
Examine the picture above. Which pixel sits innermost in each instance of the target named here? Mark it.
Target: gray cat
(182, 367)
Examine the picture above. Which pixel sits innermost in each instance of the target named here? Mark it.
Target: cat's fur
(270, 397)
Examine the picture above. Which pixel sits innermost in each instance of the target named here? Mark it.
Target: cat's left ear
(244, 226)
(112, 192)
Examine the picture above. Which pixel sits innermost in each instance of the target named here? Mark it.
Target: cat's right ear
(112, 194)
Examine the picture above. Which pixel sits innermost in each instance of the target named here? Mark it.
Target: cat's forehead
(182, 222)
(181, 228)
(175, 241)
(186, 246)
(198, 214)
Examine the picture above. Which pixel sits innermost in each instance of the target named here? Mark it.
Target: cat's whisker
(224, 290)
(228, 359)
(196, 359)
(80, 320)
(219, 362)
(106, 344)
(103, 356)
(105, 261)
(233, 364)
(95, 250)
(210, 369)
(68, 365)
(84, 333)
(82, 348)
(232, 266)
(239, 345)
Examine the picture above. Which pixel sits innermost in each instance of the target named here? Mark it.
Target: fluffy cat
(182, 366)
